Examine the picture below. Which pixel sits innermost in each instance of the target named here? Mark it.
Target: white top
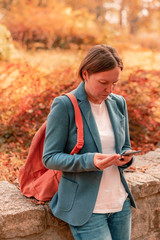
(111, 194)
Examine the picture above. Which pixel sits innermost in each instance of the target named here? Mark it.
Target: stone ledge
(141, 183)
(19, 217)
(22, 219)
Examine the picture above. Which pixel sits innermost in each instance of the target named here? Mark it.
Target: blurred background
(41, 45)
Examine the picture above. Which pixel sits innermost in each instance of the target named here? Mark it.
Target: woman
(93, 196)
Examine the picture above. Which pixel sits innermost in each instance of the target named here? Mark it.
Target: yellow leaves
(54, 26)
(7, 49)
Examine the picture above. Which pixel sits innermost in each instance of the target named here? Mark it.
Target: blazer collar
(80, 92)
(81, 95)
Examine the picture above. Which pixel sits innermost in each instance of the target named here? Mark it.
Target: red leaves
(25, 104)
(141, 91)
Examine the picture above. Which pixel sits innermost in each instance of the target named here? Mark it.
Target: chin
(105, 97)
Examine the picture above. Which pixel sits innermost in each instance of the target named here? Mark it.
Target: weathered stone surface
(150, 160)
(145, 218)
(148, 182)
(142, 184)
(154, 206)
(140, 223)
(153, 156)
(149, 236)
(18, 216)
(145, 187)
(48, 234)
(51, 220)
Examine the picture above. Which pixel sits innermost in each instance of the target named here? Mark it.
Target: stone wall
(21, 219)
(145, 187)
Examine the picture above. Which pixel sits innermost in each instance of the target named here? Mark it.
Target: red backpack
(34, 179)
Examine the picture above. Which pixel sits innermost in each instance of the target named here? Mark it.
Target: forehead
(110, 75)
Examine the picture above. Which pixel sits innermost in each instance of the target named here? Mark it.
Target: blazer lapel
(87, 114)
(116, 118)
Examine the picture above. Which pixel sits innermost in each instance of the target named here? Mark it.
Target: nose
(109, 88)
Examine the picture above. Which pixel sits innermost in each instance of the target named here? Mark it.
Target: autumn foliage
(55, 25)
(25, 104)
(142, 91)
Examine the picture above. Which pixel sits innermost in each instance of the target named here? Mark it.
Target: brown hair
(100, 58)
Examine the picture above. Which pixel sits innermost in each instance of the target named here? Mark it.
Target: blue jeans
(109, 226)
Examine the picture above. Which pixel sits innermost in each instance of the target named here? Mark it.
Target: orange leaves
(137, 169)
(26, 102)
(24, 106)
(136, 112)
(142, 93)
(12, 157)
(51, 26)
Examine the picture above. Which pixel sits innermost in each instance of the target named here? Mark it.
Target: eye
(103, 82)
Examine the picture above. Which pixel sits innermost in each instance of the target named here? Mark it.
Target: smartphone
(130, 153)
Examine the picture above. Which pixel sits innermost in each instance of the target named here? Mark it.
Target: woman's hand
(103, 161)
(127, 158)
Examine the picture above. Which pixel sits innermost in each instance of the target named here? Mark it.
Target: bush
(25, 104)
(141, 91)
(51, 26)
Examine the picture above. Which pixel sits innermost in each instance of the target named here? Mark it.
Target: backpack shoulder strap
(79, 124)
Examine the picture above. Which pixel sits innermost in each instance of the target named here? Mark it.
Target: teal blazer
(74, 202)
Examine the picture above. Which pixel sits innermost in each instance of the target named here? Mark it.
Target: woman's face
(99, 85)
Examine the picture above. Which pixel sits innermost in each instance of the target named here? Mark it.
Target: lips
(105, 95)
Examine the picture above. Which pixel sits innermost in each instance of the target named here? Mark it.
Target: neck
(91, 98)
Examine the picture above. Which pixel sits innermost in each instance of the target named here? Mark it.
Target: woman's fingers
(126, 159)
(103, 161)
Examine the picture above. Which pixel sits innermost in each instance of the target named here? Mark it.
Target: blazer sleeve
(56, 136)
(127, 144)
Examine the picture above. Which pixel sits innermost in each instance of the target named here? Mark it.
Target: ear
(85, 75)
